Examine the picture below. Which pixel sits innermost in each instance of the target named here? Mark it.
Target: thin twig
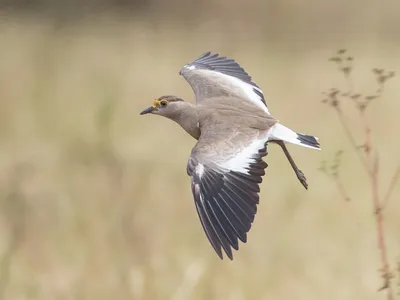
(392, 184)
(373, 164)
(339, 185)
(370, 163)
(386, 275)
(341, 189)
(367, 144)
(353, 142)
(349, 82)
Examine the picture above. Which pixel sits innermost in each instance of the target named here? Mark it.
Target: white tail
(282, 133)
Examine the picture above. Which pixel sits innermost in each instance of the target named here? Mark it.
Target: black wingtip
(230, 256)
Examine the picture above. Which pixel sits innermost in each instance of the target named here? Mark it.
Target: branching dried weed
(366, 152)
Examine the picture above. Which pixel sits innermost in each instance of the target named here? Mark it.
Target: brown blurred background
(95, 200)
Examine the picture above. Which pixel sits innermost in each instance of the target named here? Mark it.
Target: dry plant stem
(367, 145)
(352, 141)
(339, 185)
(364, 153)
(371, 166)
(380, 231)
(341, 189)
(391, 187)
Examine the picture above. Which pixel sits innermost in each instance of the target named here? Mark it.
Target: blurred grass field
(95, 200)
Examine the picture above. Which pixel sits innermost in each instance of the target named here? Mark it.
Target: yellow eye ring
(163, 103)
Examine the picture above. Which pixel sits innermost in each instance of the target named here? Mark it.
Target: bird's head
(167, 106)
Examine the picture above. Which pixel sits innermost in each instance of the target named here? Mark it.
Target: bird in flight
(232, 125)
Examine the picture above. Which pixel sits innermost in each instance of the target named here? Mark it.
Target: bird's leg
(300, 175)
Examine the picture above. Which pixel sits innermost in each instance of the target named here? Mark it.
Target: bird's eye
(163, 103)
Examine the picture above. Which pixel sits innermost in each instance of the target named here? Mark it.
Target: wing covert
(212, 76)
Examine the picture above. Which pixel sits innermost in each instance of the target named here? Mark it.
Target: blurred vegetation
(95, 200)
(366, 150)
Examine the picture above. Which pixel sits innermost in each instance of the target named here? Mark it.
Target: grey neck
(188, 119)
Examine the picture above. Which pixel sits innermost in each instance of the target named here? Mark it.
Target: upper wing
(212, 76)
(225, 177)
